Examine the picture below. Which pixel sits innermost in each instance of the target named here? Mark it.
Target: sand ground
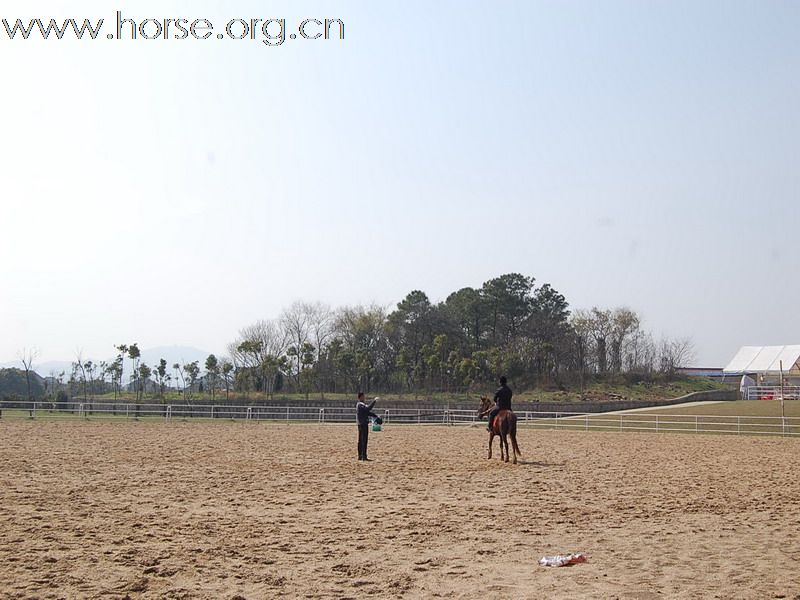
(235, 510)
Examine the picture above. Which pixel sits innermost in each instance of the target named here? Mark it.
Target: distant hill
(151, 356)
(14, 386)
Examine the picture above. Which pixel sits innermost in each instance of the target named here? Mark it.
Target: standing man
(363, 413)
(502, 400)
(746, 383)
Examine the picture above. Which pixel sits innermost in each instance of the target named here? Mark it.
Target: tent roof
(765, 359)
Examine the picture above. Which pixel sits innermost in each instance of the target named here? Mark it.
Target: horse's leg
(503, 448)
(514, 445)
(491, 437)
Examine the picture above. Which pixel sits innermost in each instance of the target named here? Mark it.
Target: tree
(322, 320)
(543, 339)
(436, 360)
(192, 369)
(123, 352)
(259, 355)
(134, 354)
(79, 373)
(180, 373)
(162, 376)
(144, 376)
(674, 354)
(469, 310)
(26, 357)
(102, 372)
(296, 324)
(90, 369)
(624, 324)
(410, 329)
(598, 324)
(641, 353)
(365, 355)
(114, 372)
(226, 369)
(509, 300)
(212, 372)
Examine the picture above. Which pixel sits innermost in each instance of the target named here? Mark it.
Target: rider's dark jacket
(502, 397)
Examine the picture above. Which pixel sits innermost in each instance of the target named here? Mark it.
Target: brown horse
(505, 426)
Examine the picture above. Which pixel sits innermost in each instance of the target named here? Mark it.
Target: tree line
(508, 325)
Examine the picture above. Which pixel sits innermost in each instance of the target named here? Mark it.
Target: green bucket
(376, 427)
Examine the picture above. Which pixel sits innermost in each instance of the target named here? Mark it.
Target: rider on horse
(502, 400)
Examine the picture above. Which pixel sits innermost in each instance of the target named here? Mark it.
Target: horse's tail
(513, 434)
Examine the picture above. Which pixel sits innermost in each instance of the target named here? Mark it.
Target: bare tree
(640, 353)
(601, 327)
(675, 353)
(27, 356)
(322, 321)
(624, 324)
(296, 323)
(79, 370)
(260, 352)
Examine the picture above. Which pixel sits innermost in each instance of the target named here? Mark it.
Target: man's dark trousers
(363, 436)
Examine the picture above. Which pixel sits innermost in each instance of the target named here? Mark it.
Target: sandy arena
(249, 511)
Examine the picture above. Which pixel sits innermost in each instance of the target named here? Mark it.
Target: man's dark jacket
(364, 412)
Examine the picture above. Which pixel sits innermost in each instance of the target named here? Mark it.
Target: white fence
(567, 421)
(773, 392)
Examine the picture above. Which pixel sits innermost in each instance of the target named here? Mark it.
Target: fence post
(419, 416)
(322, 415)
(696, 424)
(738, 425)
(386, 415)
(656, 423)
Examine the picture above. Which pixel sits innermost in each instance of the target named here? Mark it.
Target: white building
(764, 365)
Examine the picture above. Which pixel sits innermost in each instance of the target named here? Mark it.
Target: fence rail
(567, 421)
(773, 392)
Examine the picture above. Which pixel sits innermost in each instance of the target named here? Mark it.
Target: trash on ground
(562, 560)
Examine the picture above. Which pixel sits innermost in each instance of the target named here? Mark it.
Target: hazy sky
(628, 153)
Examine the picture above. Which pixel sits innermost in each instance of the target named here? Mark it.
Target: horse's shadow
(536, 463)
(532, 463)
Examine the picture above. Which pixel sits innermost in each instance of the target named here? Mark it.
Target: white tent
(765, 360)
